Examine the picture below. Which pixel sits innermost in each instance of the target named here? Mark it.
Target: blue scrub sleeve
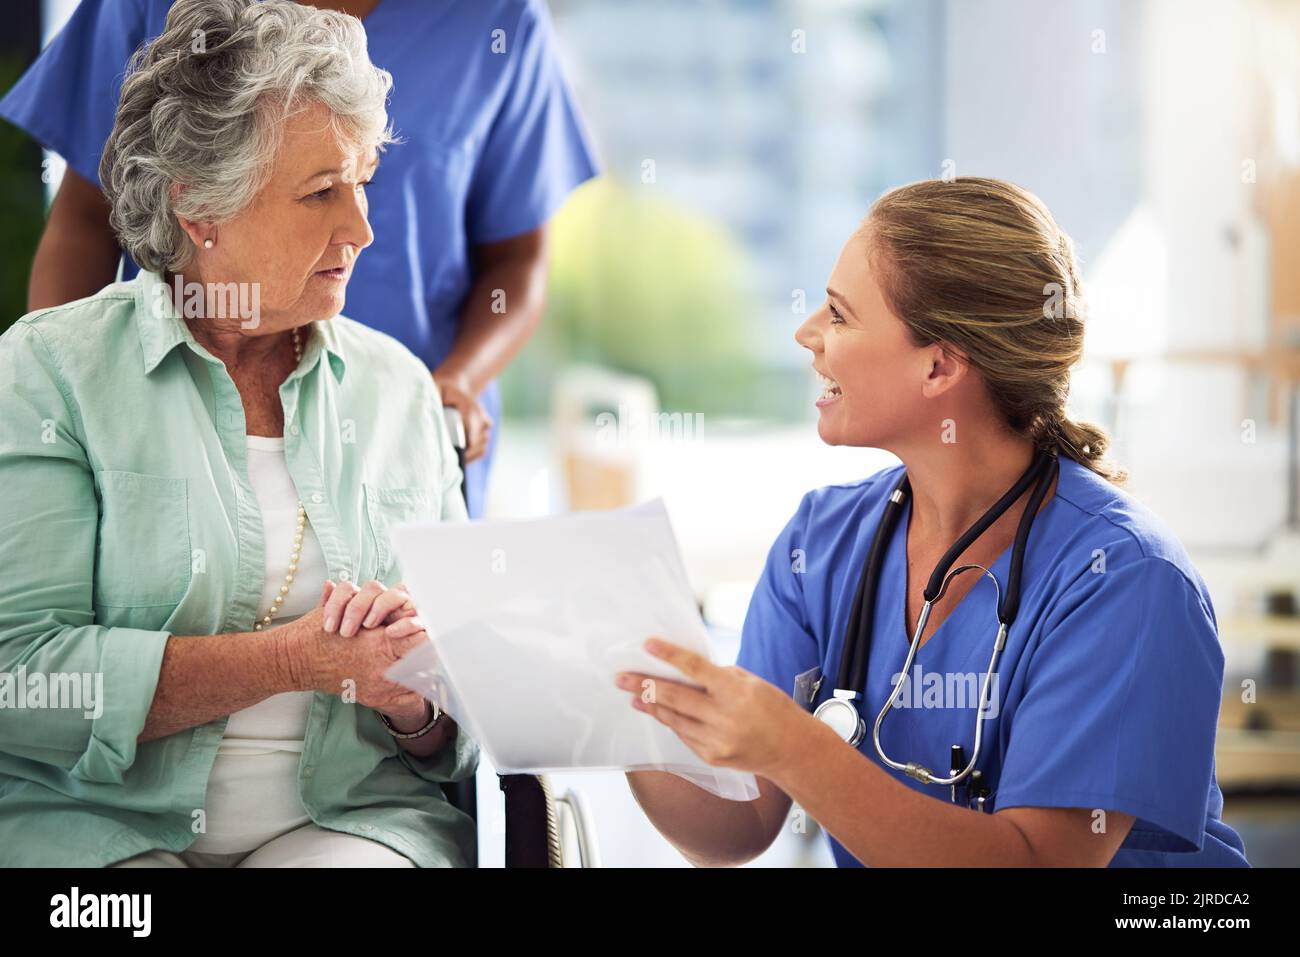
(67, 99)
(1121, 706)
(776, 642)
(536, 151)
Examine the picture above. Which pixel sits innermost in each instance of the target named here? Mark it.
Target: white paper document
(530, 620)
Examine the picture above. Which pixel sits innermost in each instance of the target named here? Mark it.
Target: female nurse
(951, 322)
(492, 145)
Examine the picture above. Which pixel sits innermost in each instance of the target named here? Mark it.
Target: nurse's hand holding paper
(728, 716)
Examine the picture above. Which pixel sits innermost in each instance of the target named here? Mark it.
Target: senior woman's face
(302, 233)
(857, 342)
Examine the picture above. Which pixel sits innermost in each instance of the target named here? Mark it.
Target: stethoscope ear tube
(1041, 460)
(867, 586)
(1046, 470)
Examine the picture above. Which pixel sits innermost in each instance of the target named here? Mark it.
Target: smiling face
(878, 378)
(302, 233)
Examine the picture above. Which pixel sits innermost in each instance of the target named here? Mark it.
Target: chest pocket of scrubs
(386, 508)
(142, 556)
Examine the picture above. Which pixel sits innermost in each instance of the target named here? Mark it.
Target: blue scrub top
(493, 145)
(1108, 690)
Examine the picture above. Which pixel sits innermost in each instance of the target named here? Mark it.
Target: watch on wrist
(437, 716)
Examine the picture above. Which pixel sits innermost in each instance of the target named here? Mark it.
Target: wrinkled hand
(348, 607)
(360, 633)
(728, 716)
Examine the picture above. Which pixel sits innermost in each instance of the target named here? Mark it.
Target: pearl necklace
(297, 535)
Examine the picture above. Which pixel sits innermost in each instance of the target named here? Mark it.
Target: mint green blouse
(126, 516)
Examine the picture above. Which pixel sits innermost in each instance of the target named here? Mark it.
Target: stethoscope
(839, 711)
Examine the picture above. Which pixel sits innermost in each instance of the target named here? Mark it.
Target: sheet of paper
(531, 619)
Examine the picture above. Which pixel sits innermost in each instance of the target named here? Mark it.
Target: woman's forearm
(78, 253)
(707, 830)
(884, 823)
(501, 312)
(205, 677)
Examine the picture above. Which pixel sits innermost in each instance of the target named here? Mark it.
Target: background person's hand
(478, 424)
(730, 717)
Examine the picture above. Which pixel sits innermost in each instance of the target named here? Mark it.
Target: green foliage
(643, 287)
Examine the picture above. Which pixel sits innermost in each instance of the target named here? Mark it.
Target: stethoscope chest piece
(843, 717)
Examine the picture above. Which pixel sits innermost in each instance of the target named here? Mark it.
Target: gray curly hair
(203, 107)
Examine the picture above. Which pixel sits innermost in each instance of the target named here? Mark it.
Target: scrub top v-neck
(961, 647)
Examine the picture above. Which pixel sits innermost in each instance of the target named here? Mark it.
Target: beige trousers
(307, 846)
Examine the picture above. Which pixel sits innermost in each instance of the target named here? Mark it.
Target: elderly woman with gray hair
(200, 465)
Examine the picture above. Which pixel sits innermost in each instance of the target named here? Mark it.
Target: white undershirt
(253, 788)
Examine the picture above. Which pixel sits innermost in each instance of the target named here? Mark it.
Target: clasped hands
(353, 637)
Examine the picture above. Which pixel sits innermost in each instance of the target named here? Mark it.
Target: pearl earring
(207, 244)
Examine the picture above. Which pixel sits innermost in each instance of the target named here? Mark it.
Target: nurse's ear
(944, 367)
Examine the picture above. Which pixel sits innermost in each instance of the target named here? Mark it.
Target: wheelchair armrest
(532, 832)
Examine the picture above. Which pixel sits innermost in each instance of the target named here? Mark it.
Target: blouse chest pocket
(142, 555)
(386, 508)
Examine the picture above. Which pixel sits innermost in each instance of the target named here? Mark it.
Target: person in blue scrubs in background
(493, 144)
(952, 320)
